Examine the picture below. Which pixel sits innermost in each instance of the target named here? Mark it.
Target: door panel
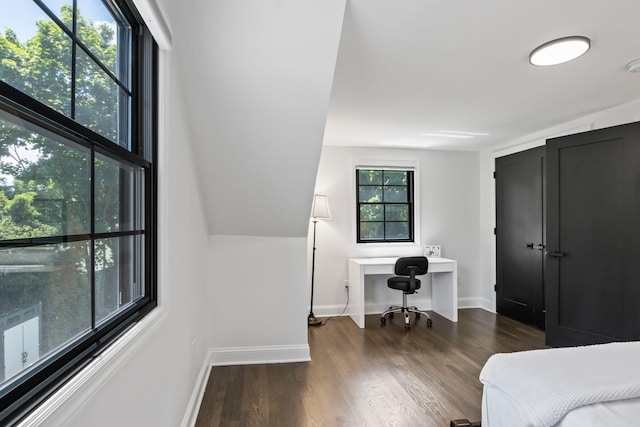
(519, 236)
(593, 230)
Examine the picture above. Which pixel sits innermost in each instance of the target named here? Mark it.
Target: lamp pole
(313, 320)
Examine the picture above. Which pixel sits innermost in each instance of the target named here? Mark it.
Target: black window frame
(28, 391)
(410, 203)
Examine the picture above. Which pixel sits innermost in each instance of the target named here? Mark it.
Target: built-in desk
(444, 284)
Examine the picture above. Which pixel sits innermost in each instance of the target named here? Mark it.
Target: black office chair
(407, 269)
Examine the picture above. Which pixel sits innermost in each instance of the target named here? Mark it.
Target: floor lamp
(319, 210)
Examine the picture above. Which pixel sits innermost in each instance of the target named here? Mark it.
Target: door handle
(556, 254)
(529, 245)
(538, 247)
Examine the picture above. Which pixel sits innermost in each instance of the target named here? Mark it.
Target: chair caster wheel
(407, 327)
(383, 321)
(390, 315)
(429, 323)
(417, 315)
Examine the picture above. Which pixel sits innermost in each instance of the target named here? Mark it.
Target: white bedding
(503, 413)
(618, 413)
(538, 388)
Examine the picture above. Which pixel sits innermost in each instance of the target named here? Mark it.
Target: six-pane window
(385, 205)
(77, 188)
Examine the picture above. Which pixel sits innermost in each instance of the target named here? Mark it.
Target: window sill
(74, 394)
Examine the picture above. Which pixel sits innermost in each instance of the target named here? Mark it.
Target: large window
(77, 188)
(385, 205)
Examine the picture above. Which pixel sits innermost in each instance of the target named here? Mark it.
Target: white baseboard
(470, 302)
(257, 355)
(330, 310)
(191, 414)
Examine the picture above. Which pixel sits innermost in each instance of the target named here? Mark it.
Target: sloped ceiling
(257, 76)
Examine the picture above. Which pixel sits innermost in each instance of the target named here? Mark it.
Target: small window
(385, 205)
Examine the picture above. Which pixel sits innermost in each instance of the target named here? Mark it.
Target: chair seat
(402, 284)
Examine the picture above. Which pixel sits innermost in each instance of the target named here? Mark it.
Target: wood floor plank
(377, 376)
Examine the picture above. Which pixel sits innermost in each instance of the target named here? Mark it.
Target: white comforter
(544, 385)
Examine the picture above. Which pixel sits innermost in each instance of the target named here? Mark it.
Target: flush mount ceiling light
(560, 51)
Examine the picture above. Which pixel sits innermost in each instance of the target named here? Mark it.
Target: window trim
(388, 164)
(62, 367)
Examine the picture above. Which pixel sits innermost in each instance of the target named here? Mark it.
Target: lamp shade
(320, 208)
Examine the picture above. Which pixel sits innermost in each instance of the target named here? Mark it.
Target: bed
(596, 385)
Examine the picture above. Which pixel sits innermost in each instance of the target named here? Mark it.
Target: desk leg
(356, 293)
(444, 293)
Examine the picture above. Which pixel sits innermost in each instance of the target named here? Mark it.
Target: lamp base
(313, 320)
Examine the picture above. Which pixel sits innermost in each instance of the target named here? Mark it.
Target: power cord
(343, 310)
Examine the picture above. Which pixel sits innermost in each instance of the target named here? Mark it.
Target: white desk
(444, 284)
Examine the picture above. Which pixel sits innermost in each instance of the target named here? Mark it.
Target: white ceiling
(409, 67)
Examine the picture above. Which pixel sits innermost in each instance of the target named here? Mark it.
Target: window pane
(372, 230)
(395, 194)
(371, 213)
(45, 183)
(397, 230)
(45, 301)
(395, 177)
(119, 201)
(118, 274)
(106, 37)
(35, 55)
(73, 207)
(370, 194)
(98, 103)
(369, 177)
(390, 217)
(396, 212)
(63, 9)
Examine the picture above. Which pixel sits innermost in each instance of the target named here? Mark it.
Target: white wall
(449, 215)
(258, 79)
(626, 113)
(256, 299)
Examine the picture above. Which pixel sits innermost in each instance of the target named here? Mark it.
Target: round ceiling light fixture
(559, 51)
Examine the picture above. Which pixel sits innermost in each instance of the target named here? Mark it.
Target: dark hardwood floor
(377, 376)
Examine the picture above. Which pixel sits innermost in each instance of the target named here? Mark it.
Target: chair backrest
(420, 262)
